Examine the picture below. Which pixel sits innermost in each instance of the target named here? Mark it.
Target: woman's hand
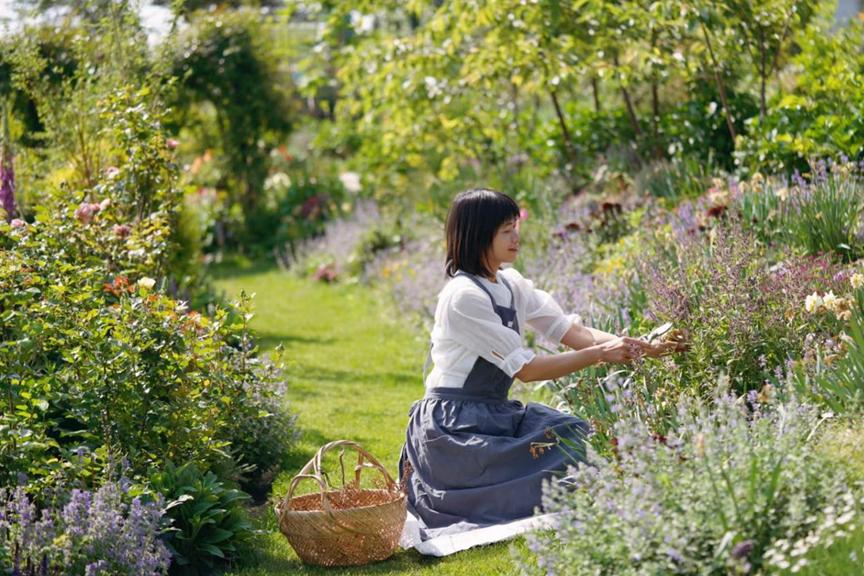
(622, 350)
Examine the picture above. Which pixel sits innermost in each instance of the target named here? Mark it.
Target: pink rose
(171, 143)
(84, 212)
(523, 214)
(121, 230)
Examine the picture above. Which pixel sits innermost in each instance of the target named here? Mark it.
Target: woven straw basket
(344, 527)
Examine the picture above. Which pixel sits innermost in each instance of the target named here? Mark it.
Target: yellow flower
(857, 280)
(757, 181)
(813, 303)
(782, 193)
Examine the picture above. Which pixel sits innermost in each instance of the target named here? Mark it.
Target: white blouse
(466, 326)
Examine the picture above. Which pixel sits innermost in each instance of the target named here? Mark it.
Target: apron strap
(494, 304)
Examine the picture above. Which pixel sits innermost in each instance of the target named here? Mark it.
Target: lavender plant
(743, 314)
(93, 533)
(736, 487)
(413, 274)
(336, 246)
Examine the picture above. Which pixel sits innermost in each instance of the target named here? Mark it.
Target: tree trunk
(565, 132)
(595, 90)
(730, 124)
(763, 73)
(655, 107)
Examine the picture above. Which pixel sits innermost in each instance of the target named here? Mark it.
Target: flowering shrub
(735, 487)
(336, 245)
(94, 533)
(107, 365)
(744, 316)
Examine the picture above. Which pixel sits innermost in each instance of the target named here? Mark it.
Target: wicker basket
(345, 527)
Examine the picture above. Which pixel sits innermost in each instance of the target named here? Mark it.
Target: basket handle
(362, 454)
(286, 502)
(313, 470)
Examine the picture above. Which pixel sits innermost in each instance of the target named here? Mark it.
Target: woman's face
(505, 243)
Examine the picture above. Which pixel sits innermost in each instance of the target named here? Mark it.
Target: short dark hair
(472, 221)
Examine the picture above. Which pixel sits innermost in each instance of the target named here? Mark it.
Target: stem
(655, 105)
(631, 112)
(730, 124)
(595, 89)
(565, 132)
(762, 74)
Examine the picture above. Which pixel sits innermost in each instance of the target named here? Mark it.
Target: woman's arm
(618, 350)
(579, 337)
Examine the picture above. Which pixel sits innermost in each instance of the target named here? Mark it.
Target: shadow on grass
(268, 340)
(320, 373)
(238, 267)
(299, 456)
(403, 561)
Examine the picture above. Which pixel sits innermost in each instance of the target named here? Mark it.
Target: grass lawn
(352, 373)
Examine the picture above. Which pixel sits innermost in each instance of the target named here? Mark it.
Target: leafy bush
(102, 532)
(735, 488)
(821, 118)
(208, 520)
(105, 361)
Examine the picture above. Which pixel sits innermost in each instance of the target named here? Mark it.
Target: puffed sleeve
(470, 320)
(542, 312)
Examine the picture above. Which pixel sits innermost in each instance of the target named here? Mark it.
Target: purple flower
(7, 175)
(743, 549)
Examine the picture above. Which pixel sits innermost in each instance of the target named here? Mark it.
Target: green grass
(353, 371)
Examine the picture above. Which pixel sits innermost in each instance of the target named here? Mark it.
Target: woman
(472, 457)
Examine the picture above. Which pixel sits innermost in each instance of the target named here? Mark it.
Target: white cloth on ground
(452, 543)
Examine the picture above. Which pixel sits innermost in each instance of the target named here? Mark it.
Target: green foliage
(208, 519)
(223, 59)
(66, 74)
(545, 87)
(821, 116)
(836, 383)
(687, 177)
(297, 204)
(374, 241)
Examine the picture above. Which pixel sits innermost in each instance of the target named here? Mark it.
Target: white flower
(782, 193)
(813, 303)
(277, 181)
(351, 181)
(857, 280)
(432, 86)
(712, 108)
(830, 301)
(146, 283)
